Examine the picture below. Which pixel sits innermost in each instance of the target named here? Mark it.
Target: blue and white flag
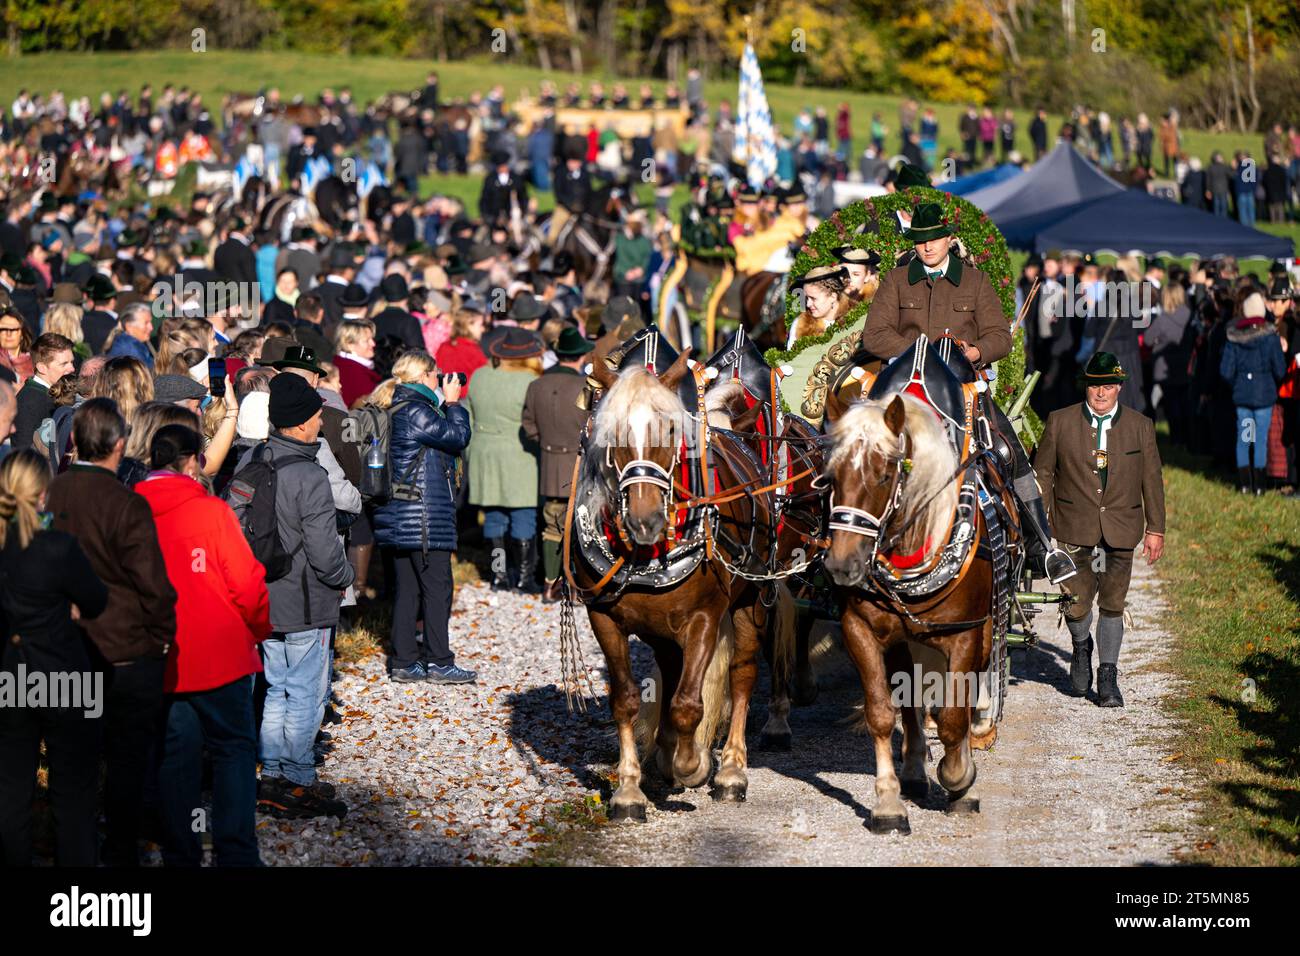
(755, 137)
(244, 170)
(371, 176)
(316, 169)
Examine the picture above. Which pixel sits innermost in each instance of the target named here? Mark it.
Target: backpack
(251, 495)
(365, 427)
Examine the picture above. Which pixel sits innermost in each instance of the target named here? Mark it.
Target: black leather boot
(1081, 669)
(500, 559)
(1108, 694)
(527, 551)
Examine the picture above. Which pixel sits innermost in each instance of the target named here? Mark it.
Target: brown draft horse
(892, 468)
(768, 331)
(707, 630)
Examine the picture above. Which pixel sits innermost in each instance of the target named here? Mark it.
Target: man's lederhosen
(1103, 491)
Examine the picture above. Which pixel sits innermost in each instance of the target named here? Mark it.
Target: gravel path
(495, 772)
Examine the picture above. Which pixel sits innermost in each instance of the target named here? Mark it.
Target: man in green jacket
(632, 257)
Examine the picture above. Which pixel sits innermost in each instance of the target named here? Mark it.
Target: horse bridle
(642, 471)
(863, 522)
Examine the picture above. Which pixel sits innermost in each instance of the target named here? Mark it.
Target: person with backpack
(282, 497)
(222, 614)
(427, 434)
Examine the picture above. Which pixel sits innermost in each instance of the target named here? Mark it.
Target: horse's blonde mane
(637, 390)
(862, 431)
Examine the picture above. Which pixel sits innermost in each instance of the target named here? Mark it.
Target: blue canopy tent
(1134, 221)
(965, 185)
(1059, 184)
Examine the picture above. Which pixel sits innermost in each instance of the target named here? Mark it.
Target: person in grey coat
(304, 604)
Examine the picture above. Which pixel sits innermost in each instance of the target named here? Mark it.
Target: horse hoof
(963, 805)
(729, 793)
(626, 813)
(895, 824)
(916, 790)
(984, 741)
(777, 743)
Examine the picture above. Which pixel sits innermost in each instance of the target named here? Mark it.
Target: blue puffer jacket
(434, 437)
(1253, 364)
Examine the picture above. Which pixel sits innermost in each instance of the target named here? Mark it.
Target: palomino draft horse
(658, 539)
(904, 507)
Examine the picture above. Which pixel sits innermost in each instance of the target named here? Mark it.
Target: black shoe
(1108, 694)
(500, 564)
(332, 716)
(1244, 480)
(527, 551)
(283, 800)
(1081, 669)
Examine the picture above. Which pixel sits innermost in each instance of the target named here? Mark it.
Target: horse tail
(784, 633)
(646, 726)
(716, 692)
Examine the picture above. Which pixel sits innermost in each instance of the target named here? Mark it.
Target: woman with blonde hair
(170, 346)
(148, 418)
(49, 586)
(428, 432)
(503, 470)
(354, 345)
(127, 382)
(65, 319)
(462, 353)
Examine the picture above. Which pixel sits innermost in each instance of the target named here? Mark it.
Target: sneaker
(288, 801)
(451, 674)
(408, 675)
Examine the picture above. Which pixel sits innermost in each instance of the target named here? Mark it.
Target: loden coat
(962, 304)
(1081, 510)
(503, 462)
(554, 422)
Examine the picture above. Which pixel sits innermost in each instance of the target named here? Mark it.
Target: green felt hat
(928, 222)
(572, 343)
(1103, 369)
(910, 175)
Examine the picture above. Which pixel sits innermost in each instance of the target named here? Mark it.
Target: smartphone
(217, 377)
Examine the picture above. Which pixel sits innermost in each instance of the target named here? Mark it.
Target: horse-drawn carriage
(719, 507)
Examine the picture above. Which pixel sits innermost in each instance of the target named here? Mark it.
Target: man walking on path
(1100, 472)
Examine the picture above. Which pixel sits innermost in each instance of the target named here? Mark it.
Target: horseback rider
(769, 250)
(503, 190)
(572, 188)
(936, 294)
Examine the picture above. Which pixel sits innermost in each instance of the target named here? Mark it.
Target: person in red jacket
(222, 614)
(462, 352)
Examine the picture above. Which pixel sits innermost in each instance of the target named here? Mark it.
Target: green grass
(216, 72)
(1231, 572)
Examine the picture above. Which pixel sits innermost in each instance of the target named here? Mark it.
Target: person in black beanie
(304, 604)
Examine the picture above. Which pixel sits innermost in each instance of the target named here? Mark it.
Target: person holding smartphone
(428, 432)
